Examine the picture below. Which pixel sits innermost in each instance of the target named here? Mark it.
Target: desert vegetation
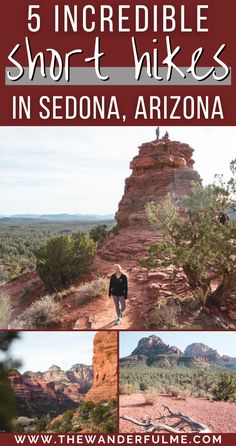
(197, 241)
(19, 241)
(5, 310)
(63, 259)
(92, 290)
(43, 313)
(46, 311)
(88, 417)
(99, 233)
(179, 382)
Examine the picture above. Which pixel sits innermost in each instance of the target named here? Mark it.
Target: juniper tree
(225, 388)
(64, 258)
(196, 241)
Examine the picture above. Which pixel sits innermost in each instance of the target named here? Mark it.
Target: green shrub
(68, 415)
(225, 388)
(99, 417)
(63, 259)
(92, 290)
(98, 233)
(41, 425)
(41, 314)
(86, 409)
(115, 230)
(5, 310)
(143, 387)
(55, 426)
(98, 414)
(128, 389)
(122, 389)
(150, 398)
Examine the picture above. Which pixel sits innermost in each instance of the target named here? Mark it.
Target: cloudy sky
(82, 170)
(223, 342)
(40, 350)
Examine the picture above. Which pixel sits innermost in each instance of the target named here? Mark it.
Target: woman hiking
(118, 290)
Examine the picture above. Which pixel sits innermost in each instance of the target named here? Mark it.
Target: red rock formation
(104, 366)
(162, 167)
(198, 349)
(153, 345)
(54, 388)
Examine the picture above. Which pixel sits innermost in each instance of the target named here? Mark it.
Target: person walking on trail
(223, 217)
(118, 290)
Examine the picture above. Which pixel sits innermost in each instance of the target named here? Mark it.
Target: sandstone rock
(158, 275)
(154, 286)
(166, 293)
(105, 367)
(153, 345)
(153, 351)
(161, 167)
(142, 278)
(54, 389)
(201, 350)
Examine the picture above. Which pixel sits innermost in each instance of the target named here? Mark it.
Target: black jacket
(118, 287)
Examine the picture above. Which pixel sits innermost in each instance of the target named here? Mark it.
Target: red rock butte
(104, 367)
(161, 167)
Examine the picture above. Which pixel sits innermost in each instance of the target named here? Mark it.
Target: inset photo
(177, 382)
(58, 382)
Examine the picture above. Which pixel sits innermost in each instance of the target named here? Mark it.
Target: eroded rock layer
(53, 390)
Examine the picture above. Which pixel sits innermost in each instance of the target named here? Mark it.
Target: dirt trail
(96, 314)
(126, 248)
(100, 314)
(219, 416)
(148, 292)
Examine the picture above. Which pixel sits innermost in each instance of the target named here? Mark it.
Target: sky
(223, 342)
(83, 169)
(38, 351)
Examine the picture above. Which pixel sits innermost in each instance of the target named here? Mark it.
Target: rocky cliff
(154, 345)
(161, 167)
(104, 367)
(201, 350)
(54, 390)
(152, 351)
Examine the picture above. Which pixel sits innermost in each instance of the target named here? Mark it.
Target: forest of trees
(18, 242)
(179, 381)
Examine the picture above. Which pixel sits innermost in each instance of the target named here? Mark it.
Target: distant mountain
(154, 345)
(152, 351)
(33, 218)
(203, 351)
(52, 391)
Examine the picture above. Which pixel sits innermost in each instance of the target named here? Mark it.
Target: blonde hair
(118, 266)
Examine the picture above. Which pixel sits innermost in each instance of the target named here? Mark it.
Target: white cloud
(82, 170)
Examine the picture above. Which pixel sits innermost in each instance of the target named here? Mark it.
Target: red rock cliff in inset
(104, 367)
(54, 389)
(161, 167)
